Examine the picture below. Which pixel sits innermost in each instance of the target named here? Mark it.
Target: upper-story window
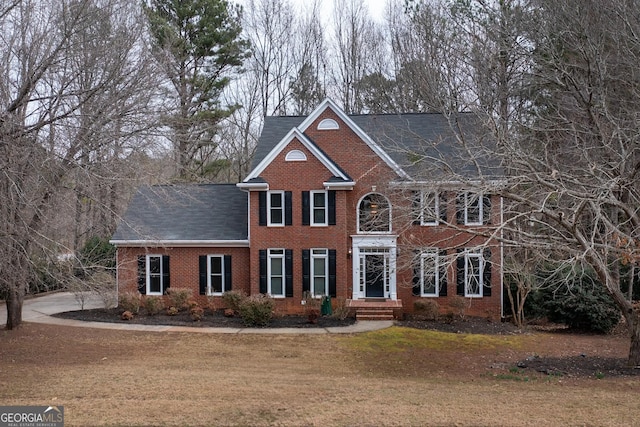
(319, 208)
(274, 208)
(374, 214)
(430, 208)
(473, 208)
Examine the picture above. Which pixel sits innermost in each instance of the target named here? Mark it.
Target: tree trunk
(633, 319)
(15, 298)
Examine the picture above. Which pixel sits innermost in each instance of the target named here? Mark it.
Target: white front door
(374, 267)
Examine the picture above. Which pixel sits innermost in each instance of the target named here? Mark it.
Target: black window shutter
(460, 272)
(306, 270)
(442, 206)
(486, 273)
(306, 214)
(202, 266)
(288, 268)
(415, 210)
(262, 208)
(486, 209)
(227, 273)
(262, 255)
(460, 208)
(332, 273)
(442, 265)
(288, 208)
(142, 274)
(165, 274)
(331, 196)
(416, 273)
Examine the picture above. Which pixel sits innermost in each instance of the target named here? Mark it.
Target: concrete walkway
(40, 309)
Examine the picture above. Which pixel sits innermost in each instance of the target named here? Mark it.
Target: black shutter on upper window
(228, 285)
(306, 270)
(442, 265)
(142, 274)
(460, 260)
(288, 268)
(331, 202)
(166, 277)
(332, 273)
(460, 201)
(416, 207)
(442, 206)
(306, 213)
(486, 209)
(202, 270)
(486, 273)
(262, 255)
(262, 208)
(288, 208)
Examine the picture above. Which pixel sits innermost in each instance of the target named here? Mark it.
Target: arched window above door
(374, 214)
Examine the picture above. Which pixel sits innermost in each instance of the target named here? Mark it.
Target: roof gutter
(181, 243)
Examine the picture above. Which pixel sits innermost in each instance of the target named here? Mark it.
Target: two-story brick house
(361, 208)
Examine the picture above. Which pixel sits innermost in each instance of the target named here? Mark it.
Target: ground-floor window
(215, 274)
(153, 274)
(276, 272)
(474, 273)
(430, 278)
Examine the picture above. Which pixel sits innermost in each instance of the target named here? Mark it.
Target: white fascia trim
(253, 186)
(348, 185)
(181, 243)
(328, 103)
(443, 183)
(295, 133)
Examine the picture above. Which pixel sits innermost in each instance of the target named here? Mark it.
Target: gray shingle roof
(185, 212)
(424, 145)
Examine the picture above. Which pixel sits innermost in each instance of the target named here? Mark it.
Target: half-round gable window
(374, 214)
(295, 156)
(328, 124)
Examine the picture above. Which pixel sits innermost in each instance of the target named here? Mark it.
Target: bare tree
(43, 128)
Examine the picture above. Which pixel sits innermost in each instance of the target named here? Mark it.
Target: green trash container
(325, 308)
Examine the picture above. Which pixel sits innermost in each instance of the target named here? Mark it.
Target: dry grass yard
(394, 377)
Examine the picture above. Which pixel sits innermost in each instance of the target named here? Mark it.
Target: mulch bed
(215, 319)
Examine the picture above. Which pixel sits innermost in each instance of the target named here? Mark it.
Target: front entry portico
(374, 266)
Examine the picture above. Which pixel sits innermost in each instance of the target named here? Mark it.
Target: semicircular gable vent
(295, 156)
(328, 124)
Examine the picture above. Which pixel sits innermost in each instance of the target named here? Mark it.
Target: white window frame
(468, 195)
(468, 274)
(271, 208)
(319, 253)
(432, 254)
(359, 213)
(436, 207)
(273, 254)
(148, 274)
(313, 208)
(210, 274)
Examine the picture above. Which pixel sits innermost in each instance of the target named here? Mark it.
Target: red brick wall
(183, 267)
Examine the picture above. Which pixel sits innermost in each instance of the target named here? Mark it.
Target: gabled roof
(419, 146)
(294, 133)
(200, 214)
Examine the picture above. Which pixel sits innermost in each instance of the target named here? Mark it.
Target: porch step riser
(374, 314)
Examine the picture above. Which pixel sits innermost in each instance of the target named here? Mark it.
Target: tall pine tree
(198, 46)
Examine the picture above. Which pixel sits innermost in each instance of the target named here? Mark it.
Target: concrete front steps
(376, 309)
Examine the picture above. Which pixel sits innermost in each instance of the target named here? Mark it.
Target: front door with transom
(374, 259)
